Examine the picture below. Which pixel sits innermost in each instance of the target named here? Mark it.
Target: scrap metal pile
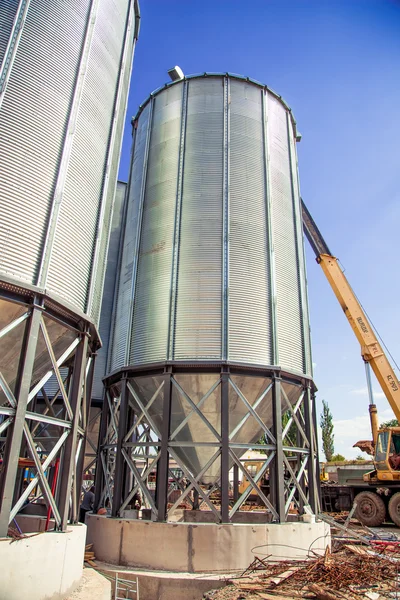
(360, 566)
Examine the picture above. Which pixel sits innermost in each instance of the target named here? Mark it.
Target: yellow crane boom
(371, 350)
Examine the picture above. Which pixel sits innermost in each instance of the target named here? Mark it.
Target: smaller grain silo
(210, 346)
(64, 78)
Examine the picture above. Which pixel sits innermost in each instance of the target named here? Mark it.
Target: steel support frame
(23, 418)
(292, 466)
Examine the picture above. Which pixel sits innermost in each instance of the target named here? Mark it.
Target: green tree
(361, 457)
(290, 437)
(391, 423)
(326, 423)
(337, 458)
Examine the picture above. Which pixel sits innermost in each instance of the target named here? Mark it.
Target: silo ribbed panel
(112, 172)
(198, 326)
(110, 281)
(88, 158)
(8, 11)
(288, 309)
(249, 295)
(122, 311)
(33, 117)
(219, 273)
(153, 283)
(301, 260)
(62, 109)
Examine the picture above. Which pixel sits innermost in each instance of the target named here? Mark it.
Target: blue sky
(337, 64)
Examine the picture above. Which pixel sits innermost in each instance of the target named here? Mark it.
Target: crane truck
(376, 493)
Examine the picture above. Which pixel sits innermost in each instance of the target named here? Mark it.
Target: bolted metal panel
(152, 292)
(198, 326)
(216, 268)
(110, 281)
(30, 142)
(249, 294)
(305, 320)
(88, 158)
(287, 279)
(112, 172)
(122, 309)
(8, 10)
(58, 174)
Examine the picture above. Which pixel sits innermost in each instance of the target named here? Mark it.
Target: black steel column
(163, 461)
(81, 459)
(119, 459)
(315, 438)
(68, 464)
(278, 464)
(16, 429)
(225, 447)
(100, 475)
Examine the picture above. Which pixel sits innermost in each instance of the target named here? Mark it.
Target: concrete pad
(45, 565)
(93, 586)
(202, 547)
(106, 536)
(154, 546)
(32, 523)
(157, 585)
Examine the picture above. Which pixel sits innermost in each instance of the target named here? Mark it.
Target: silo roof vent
(176, 73)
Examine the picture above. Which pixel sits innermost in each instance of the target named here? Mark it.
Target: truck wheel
(371, 509)
(394, 508)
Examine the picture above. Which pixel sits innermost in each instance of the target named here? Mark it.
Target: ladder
(126, 589)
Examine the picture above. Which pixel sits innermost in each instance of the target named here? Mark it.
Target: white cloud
(363, 391)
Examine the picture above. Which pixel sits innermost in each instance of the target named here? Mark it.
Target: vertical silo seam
(270, 240)
(303, 267)
(138, 233)
(12, 46)
(297, 233)
(177, 228)
(119, 261)
(100, 233)
(225, 223)
(66, 149)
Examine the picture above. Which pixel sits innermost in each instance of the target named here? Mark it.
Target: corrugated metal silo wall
(109, 290)
(61, 117)
(212, 263)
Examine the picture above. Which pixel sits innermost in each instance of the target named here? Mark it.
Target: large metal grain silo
(64, 77)
(210, 343)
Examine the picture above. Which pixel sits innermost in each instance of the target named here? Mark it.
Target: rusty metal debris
(353, 572)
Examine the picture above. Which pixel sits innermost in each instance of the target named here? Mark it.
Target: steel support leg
(15, 433)
(81, 459)
(100, 475)
(162, 466)
(317, 469)
(68, 467)
(225, 448)
(278, 478)
(311, 466)
(119, 459)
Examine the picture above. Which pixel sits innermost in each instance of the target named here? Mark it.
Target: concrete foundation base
(155, 585)
(32, 523)
(201, 547)
(44, 565)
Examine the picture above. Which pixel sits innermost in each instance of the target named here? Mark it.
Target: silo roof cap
(230, 76)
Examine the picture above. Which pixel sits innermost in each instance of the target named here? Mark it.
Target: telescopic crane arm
(371, 349)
